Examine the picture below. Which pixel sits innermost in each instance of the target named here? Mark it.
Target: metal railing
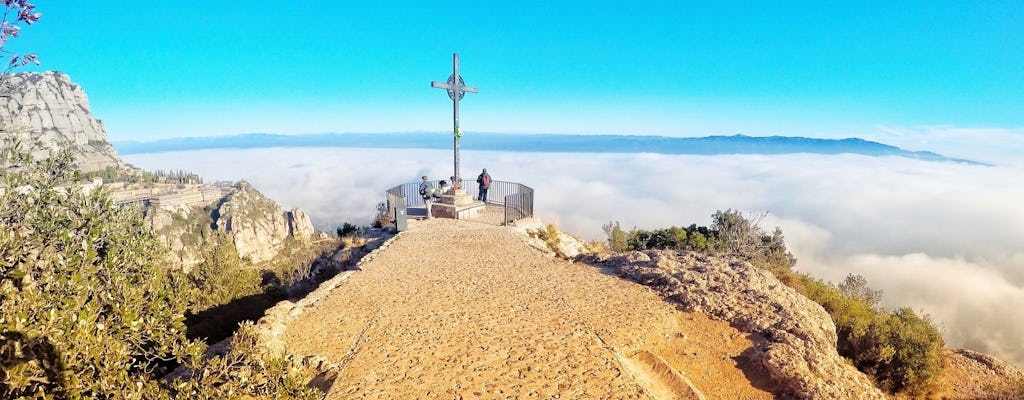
(515, 198)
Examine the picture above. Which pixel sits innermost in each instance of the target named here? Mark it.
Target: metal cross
(457, 89)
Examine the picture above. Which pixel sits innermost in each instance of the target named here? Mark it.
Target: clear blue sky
(669, 68)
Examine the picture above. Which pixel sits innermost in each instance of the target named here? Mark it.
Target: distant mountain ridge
(709, 145)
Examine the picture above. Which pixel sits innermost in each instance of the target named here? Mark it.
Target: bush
(244, 372)
(900, 350)
(222, 276)
(616, 237)
(347, 229)
(85, 311)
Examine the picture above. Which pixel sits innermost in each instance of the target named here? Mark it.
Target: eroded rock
(43, 110)
(800, 347)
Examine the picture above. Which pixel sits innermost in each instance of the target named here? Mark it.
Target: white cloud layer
(942, 238)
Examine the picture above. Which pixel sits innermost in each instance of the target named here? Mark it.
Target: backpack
(485, 180)
(424, 189)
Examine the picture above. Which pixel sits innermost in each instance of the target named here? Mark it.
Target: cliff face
(258, 227)
(43, 110)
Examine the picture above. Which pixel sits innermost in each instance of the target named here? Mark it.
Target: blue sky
(667, 68)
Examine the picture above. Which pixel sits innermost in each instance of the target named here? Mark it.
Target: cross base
(458, 204)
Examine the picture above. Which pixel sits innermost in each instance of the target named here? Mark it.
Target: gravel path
(458, 309)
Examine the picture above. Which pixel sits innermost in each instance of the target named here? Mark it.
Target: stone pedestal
(458, 204)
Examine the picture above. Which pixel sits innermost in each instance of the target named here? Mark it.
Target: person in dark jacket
(485, 183)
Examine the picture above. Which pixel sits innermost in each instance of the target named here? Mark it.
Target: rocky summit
(43, 110)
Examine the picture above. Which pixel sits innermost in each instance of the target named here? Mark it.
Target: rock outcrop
(259, 226)
(299, 224)
(973, 375)
(798, 349)
(548, 239)
(41, 111)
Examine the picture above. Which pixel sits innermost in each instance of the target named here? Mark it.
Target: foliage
(616, 237)
(347, 229)
(745, 237)
(730, 232)
(899, 349)
(131, 175)
(243, 372)
(222, 276)
(85, 310)
(382, 218)
(23, 12)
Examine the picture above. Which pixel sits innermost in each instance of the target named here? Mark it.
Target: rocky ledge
(795, 337)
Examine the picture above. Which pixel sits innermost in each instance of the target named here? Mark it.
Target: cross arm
(469, 89)
(440, 85)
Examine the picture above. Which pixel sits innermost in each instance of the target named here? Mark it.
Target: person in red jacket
(485, 183)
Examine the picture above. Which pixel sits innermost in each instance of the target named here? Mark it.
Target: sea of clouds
(943, 238)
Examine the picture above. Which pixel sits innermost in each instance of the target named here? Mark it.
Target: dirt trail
(456, 309)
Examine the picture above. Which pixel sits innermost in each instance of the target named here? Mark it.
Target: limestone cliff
(258, 227)
(43, 110)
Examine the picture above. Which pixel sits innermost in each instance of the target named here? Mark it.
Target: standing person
(485, 183)
(427, 193)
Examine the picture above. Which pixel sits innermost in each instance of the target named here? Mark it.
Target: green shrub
(900, 350)
(616, 237)
(245, 371)
(85, 309)
(222, 276)
(347, 229)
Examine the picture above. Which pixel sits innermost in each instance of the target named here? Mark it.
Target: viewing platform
(507, 202)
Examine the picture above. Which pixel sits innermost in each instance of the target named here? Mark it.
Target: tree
(737, 234)
(616, 237)
(856, 286)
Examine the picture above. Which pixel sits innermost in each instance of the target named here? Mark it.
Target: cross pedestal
(458, 204)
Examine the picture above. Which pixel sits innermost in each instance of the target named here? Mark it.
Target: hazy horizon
(941, 238)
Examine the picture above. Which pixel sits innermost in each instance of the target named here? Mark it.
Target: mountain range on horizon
(708, 145)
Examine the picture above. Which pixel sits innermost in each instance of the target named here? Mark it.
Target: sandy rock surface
(457, 309)
(973, 375)
(796, 338)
